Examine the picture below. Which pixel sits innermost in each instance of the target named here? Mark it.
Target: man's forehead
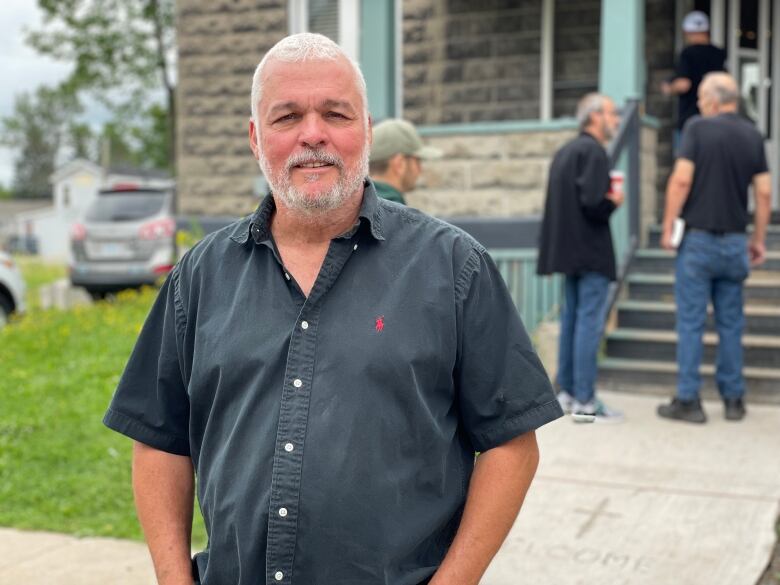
(288, 81)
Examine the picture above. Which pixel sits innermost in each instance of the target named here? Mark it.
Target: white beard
(350, 180)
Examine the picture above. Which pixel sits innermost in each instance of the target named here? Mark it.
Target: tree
(38, 129)
(121, 50)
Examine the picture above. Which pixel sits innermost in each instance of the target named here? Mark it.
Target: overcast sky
(21, 69)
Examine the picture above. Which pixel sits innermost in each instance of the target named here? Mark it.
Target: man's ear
(370, 130)
(254, 144)
(396, 164)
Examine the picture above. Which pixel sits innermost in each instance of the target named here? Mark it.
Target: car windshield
(126, 206)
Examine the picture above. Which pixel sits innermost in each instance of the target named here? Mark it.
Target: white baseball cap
(696, 22)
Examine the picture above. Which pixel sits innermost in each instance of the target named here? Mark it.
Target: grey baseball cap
(397, 136)
(696, 22)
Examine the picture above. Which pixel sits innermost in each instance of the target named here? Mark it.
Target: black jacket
(575, 235)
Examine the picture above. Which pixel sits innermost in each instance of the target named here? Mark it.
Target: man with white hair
(721, 156)
(327, 368)
(698, 58)
(576, 241)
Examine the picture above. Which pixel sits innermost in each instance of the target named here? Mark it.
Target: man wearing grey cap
(396, 152)
(697, 59)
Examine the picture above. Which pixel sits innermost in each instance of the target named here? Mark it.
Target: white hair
(305, 47)
(590, 103)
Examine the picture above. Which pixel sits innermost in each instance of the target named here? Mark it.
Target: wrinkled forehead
(283, 80)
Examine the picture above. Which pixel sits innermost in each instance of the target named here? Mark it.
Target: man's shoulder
(214, 245)
(415, 227)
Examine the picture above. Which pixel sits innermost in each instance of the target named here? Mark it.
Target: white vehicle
(11, 288)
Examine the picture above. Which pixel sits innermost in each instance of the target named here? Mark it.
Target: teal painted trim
(377, 55)
(514, 254)
(499, 127)
(651, 122)
(621, 58)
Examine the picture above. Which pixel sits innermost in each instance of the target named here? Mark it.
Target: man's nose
(313, 132)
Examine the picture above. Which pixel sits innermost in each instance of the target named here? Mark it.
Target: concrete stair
(640, 345)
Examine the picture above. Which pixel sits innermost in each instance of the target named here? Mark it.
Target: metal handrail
(628, 138)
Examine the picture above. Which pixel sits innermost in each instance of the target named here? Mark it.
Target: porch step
(642, 344)
(772, 237)
(760, 288)
(651, 315)
(658, 260)
(660, 378)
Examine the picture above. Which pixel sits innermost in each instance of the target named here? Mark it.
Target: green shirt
(389, 192)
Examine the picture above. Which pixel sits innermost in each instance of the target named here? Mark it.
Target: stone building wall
(467, 61)
(505, 174)
(488, 174)
(220, 44)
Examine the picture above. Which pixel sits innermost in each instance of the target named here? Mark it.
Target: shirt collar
(259, 225)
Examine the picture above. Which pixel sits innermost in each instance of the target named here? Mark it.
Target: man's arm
(163, 485)
(498, 486)
(762, 191)
(677, 190)
(677, 86)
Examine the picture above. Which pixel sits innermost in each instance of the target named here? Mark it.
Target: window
(336, 19)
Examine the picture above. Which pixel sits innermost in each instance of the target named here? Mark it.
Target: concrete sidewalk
(647, 501)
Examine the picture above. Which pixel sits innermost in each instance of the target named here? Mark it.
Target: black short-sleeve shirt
(727, 151)
(694, 63)
(333, 436)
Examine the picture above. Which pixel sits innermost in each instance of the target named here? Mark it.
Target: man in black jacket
(576, 242)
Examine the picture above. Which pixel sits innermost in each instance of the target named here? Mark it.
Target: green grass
(60, 468)
(36, 273)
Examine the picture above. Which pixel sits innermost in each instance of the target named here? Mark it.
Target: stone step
(760, 289)
(772, 237)
(656, 260)
(660, 378)
(759, 319)
(643, 344)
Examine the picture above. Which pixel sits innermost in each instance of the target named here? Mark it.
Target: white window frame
(349, 23)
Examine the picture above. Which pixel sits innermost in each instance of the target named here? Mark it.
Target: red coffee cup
(617, 178)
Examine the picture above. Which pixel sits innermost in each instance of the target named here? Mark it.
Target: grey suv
(126, 239)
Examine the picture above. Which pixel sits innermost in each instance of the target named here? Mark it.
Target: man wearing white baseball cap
(395, 160)
(698, 58)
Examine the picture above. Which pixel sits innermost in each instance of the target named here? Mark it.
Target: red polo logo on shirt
(380, 323)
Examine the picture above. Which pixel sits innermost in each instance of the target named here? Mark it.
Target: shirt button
(278, 575)
(282, 512)
(287, 276)
(304, 325)
(297, 383)
(354, 247)
(289, 447)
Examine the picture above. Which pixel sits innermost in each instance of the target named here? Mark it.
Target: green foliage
(38, 128)
(122, 53)
(60, 468)
(112, 44)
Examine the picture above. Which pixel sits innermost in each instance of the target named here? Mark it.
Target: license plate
(111, 250)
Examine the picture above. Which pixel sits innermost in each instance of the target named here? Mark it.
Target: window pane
(324, 18)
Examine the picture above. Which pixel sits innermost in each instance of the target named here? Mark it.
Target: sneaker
(685, 410)
(734, 409)
(566, 401)
(595, 411)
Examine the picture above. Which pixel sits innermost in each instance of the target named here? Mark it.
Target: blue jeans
(710, 267)
(582, 322)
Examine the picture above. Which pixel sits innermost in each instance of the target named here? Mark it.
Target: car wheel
(6, 308)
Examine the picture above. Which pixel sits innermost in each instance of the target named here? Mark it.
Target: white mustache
(314, 156)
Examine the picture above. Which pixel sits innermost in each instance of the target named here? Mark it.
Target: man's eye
(336, 115)
(286, 118)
